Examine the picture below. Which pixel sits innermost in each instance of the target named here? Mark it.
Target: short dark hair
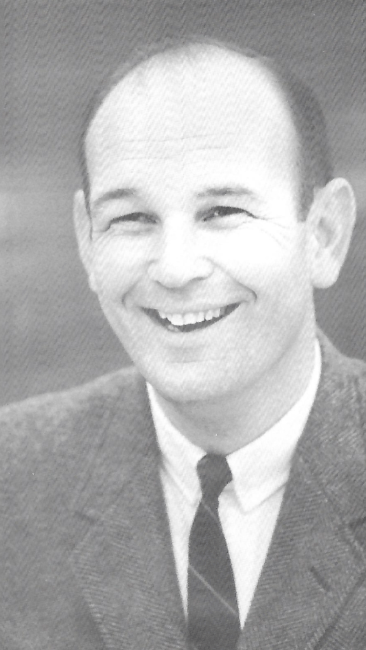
(314, 159)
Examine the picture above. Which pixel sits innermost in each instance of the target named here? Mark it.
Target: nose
(180, 257)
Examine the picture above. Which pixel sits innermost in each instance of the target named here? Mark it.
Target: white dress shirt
(248, 506)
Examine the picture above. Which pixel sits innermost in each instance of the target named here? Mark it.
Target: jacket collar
(125, 563)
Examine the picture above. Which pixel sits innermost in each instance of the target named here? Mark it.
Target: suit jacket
(86, 561)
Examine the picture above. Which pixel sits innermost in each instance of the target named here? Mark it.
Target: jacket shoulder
(53, 417)
(346, 373)
(358, 369)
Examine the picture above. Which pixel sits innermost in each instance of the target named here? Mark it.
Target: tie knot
(214, 473)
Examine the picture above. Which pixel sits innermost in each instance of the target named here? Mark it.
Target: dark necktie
(213, 615)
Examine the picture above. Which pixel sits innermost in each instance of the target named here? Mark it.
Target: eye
(133, 217)
(219, 212)
(131, 222)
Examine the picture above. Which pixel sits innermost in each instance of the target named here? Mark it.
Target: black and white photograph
(182, 325)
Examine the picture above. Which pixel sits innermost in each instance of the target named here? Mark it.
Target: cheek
(262, 258)
(115, 270)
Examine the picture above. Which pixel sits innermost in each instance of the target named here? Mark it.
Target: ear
(330, 222)
(83, 231)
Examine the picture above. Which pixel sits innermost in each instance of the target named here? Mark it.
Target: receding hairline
(187, 52)
(311, 147)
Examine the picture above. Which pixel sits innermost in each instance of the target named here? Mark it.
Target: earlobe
(83, 235)
(331, 221)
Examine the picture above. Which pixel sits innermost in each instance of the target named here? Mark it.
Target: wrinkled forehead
(171, 106)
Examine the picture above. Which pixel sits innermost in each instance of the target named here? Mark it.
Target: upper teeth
(190, 318)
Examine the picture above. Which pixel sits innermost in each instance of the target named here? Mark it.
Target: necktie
(213, 615)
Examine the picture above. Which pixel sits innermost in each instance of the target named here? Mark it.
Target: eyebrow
(114, 195)
(236, 190)
(210, 192)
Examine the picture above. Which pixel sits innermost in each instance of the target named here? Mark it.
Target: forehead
(192, 108)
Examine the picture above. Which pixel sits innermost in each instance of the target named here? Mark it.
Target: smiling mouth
(192, 321)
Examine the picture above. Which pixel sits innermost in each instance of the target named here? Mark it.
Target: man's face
(197, 254)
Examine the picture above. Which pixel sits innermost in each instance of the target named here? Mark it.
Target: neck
(223, 425)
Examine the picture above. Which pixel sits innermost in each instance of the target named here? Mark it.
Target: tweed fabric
(85, 553)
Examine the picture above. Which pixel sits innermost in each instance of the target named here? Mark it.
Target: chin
(183, 385)
(186, 394)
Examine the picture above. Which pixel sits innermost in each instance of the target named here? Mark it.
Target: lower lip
(190, 328)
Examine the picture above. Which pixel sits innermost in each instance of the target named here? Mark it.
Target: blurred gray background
(53, 55)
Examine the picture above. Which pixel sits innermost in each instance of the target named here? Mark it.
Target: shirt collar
(259, 469)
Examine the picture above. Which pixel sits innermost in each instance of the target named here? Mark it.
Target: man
(213, 497)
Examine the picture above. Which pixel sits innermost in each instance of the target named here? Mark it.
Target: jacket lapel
(315, 562)
(125, 563)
